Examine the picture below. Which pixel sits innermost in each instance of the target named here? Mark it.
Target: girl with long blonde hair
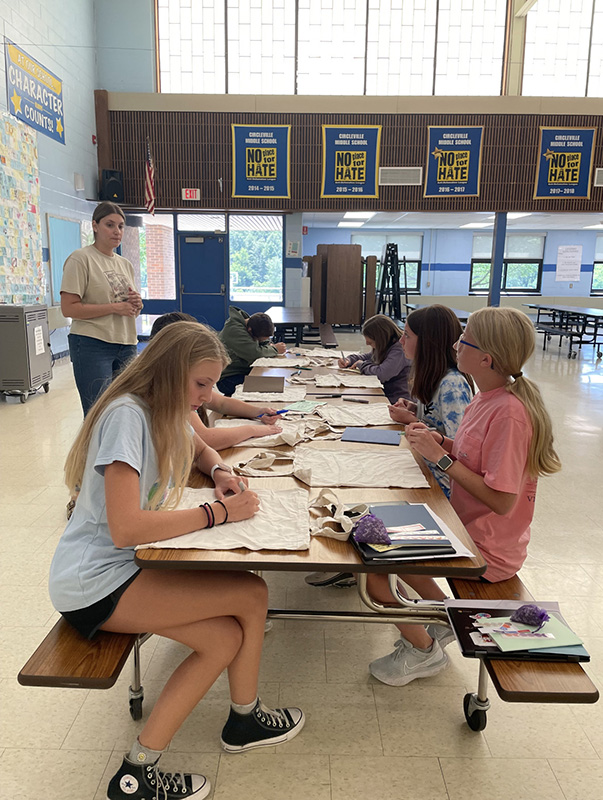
(503, 445)
(130, 461)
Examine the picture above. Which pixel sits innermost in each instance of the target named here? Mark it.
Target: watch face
(444, 463)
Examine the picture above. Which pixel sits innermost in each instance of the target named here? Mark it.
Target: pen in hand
(282, 411)
(242, 486)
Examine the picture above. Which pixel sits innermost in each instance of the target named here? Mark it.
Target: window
(522, 264)
(202, 223)
(470, 45)
(256, 258)
(519, 277)
(148, 243)
(563, 49)
(410, 246)
(596, 286)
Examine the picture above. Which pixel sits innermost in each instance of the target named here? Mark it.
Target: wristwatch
(225, 467)
(446, 462)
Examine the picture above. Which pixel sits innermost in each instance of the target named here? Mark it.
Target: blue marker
(282, 411)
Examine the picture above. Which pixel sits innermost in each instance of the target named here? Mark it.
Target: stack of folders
(487, 630)
(414, 533)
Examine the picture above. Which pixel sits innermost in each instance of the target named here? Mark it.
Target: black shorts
(88, 620)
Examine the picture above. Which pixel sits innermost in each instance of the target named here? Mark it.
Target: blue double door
(203, 276)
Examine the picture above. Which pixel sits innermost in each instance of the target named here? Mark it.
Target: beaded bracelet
(220, 503)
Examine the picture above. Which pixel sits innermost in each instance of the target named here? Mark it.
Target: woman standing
(98, 293)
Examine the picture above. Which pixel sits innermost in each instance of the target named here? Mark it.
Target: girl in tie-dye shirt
(440, 392)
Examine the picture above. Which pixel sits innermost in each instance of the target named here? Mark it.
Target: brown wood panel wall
(193, 149)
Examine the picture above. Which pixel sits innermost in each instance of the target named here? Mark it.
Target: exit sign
(191, 194)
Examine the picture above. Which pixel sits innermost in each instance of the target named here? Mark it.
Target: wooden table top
(282, 315)
(325, 555)
(311, 388)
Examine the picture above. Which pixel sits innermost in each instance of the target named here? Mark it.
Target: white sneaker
(441, 634)
(407, 663)
(267, 625)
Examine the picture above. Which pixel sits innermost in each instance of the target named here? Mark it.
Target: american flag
(149, 181)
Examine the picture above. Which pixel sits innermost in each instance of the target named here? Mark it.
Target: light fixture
(350, 224)
(359, 214)
(597, 227)
(476, 225)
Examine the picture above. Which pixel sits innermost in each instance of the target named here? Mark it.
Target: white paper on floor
(336, 467)
(282, 523)
(355, 415)
(290, 394)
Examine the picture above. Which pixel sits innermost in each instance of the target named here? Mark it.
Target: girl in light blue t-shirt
(131, 460)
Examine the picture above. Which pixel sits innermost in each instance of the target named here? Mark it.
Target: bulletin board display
(22, 280)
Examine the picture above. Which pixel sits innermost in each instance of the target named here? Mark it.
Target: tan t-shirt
(97, 279)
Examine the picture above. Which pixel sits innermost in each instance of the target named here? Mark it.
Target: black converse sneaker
(146, 781)
(261, 728)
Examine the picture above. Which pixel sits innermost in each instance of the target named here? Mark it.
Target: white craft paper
(351, 381)
(290, 394)
(282, 523)
(355, 415)
(283, 361)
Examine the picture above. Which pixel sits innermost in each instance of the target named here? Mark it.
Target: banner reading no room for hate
(261, 160)
(565, 162)
(350, 160)
(454, 160)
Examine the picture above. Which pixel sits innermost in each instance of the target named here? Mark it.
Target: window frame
(595, 292)
(504, 289)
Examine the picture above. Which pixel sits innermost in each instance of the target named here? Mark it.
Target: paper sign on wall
(569, 260)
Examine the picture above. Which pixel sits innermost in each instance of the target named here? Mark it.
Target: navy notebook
(398, 514)
(371, 436)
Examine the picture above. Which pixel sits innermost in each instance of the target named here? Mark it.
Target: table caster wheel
(136, 708)
(46, 387)
(574, 355)
(23, 398)
(476, 717)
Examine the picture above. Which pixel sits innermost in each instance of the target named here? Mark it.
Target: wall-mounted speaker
(112, 186)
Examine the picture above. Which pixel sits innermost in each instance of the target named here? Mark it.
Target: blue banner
(261, 161)
(454, 161)
(350, 160)
(565, 162)
(35, 95)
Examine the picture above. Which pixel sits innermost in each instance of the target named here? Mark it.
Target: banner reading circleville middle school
(261, 161)
(34, 94)
(350, 160)
(454, 160)
(565, 162)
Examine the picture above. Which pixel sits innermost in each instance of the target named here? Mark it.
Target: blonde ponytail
(158, 378)
(507, 335)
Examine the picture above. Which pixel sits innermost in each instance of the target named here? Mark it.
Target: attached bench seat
(66, 659)
(527, 681)
(327, 337)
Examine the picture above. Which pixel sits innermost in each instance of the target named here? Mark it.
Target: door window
(256, 258)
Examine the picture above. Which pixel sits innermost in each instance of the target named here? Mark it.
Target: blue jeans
(95, 364)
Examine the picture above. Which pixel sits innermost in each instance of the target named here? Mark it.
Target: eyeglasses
(468, 344)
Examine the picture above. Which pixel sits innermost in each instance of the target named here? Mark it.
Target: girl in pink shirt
(504, 443)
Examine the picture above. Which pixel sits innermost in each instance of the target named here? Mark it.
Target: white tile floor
(362, 739)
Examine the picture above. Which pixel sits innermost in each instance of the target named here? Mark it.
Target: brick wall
(160, 262)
